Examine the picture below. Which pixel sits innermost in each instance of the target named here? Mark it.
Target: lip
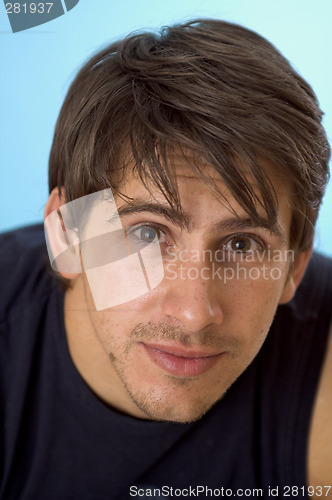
(181, 362)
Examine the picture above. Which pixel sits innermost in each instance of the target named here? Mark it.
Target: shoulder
(319, 459)
(315, 291)
(300, 327)
(295, 362)
(23, 265)
(309, 314)
(320, 438)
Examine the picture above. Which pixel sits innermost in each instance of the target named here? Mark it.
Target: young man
(186, 175)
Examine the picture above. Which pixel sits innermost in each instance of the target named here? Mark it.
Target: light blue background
(37, 66)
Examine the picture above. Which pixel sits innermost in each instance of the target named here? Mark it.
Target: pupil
(240, 245)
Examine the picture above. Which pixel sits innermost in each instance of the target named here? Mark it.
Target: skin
(205, 315)
(106, 348)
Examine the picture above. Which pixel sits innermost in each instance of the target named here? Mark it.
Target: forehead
(198, 178)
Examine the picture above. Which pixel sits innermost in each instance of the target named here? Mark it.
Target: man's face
(174, 352)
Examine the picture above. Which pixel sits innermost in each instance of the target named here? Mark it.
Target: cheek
(249, 308)
(257, 286)
(114, 324)
(109, 329)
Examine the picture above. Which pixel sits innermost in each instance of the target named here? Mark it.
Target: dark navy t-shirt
(58, 441)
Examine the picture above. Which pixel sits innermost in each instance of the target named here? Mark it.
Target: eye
(242, 244)
(145, 235)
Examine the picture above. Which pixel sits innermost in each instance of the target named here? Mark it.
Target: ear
(295, 276)
(61, 242)
(55, 201)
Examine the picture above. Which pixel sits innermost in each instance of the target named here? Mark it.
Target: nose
(192, 300)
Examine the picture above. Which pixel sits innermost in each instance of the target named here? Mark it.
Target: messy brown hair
(208, 87)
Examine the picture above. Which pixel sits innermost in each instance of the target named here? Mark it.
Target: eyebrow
(184, 221)
(171, 214)
(244, 223)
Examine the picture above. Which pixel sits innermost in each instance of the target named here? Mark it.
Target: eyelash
(255, 238)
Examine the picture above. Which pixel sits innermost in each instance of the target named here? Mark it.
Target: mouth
(181, 362)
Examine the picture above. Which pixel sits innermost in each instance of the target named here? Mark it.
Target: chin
(184, 412)
(186, 415)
